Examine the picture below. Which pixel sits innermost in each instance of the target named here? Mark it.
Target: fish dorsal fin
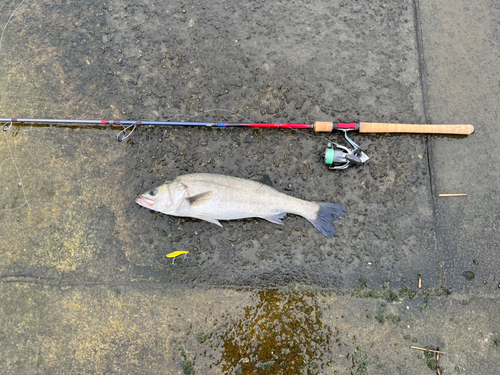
(264, 179)
(199, 198)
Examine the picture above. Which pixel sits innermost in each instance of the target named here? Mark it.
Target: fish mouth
(144, 201)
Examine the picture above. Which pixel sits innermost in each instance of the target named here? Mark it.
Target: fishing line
(1, 166)
(123, 134)
(6, 126)
(10, 18)
(18, 174)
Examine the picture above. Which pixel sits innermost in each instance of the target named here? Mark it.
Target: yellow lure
(175, 254)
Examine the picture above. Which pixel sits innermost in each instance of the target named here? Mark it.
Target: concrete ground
(85, 286)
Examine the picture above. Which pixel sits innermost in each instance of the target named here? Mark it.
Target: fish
(212, 197)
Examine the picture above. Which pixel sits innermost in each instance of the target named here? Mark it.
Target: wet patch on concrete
(389, 218)
(377, 235)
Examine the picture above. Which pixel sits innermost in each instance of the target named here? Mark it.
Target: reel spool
(340, 157)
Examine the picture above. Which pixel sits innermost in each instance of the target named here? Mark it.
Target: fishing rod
(336, 156)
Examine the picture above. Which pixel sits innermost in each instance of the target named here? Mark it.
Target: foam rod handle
(375, 127)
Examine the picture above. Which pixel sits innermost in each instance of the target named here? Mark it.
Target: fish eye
(153, 192)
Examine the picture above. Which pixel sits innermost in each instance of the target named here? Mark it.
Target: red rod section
(347, 125)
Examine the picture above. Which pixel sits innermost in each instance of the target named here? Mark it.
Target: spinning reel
(340, 157)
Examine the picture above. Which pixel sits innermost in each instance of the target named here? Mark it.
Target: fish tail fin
(327, 213)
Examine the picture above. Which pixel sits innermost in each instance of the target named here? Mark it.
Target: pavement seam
(427, 138)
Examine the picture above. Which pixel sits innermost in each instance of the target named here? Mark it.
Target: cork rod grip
(375, 127)
(323, 127)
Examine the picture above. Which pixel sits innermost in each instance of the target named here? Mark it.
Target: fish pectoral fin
(199, 198)
(276, 218)
(209, 219)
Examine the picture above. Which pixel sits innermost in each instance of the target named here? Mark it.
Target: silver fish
(214, 197)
